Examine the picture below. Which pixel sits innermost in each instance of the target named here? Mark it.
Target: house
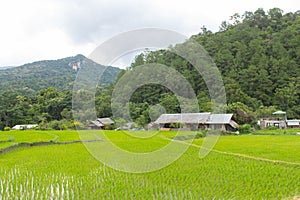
(278, 123)
(24, 126)
(293, 123)
(184, 121)
(279, 120)
(101, 123)
(196, 121)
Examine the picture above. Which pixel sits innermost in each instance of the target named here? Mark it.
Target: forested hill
(258, 54)
(29, 78)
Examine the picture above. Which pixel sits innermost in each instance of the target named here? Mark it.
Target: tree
(286, 97)
(241, 113)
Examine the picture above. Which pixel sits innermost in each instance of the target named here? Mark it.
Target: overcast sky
(34, 30)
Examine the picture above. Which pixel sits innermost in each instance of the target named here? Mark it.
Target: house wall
(195, 127)
(217, 127)
(267, 123)
(94, 127)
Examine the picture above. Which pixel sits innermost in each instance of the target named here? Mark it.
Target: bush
(6, 128)
(53, 125)
(200, 134)
(64, 126)
(244, 129)
(271, 128)
(77, 125)
(216, 132)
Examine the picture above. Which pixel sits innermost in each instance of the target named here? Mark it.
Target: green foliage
(63, 125)
(271, 128)
(6, 128)
(265, 111)
(241, 113)
(77, 125)
(244, 129)
(200, 134)
(276, 131)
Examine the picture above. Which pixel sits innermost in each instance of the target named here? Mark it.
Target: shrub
(64, 126)
(244, 129)
(6, 128)
(271, 128)
(77, 125)
(200, 134)
(216, 132)
(54, 125)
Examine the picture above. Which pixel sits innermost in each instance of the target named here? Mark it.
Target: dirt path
(237, 154)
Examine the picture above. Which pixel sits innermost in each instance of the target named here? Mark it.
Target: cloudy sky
(34, 30)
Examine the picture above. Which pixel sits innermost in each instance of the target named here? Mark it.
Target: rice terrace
(239, 167)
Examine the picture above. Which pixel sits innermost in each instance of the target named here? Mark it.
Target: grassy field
(277, 132)
(233, 170)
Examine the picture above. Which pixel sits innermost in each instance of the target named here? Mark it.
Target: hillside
(258, 56)
(60, 74)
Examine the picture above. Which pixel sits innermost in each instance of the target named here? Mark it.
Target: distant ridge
(60, 74)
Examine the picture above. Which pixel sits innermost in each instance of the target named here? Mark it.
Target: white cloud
(49, 29)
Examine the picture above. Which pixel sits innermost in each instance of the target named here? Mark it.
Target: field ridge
(42, 143)
(236, 154)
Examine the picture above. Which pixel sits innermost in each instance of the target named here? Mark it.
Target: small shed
(101, 123)
(293, 123)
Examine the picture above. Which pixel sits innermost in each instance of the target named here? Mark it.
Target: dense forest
(257, 53)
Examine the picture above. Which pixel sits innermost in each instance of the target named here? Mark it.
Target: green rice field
(239, 167)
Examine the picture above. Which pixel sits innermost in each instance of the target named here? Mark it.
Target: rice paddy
(69, 171)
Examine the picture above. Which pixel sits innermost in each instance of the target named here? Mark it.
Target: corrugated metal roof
(219, 119)
(196, 118)
(97, 123)
(279, 112)
(21, 126)
(192, 118)
(233, 124)
(105, 121)
(293, 122)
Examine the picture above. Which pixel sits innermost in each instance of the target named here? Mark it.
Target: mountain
(60, 74)
(6, 67)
